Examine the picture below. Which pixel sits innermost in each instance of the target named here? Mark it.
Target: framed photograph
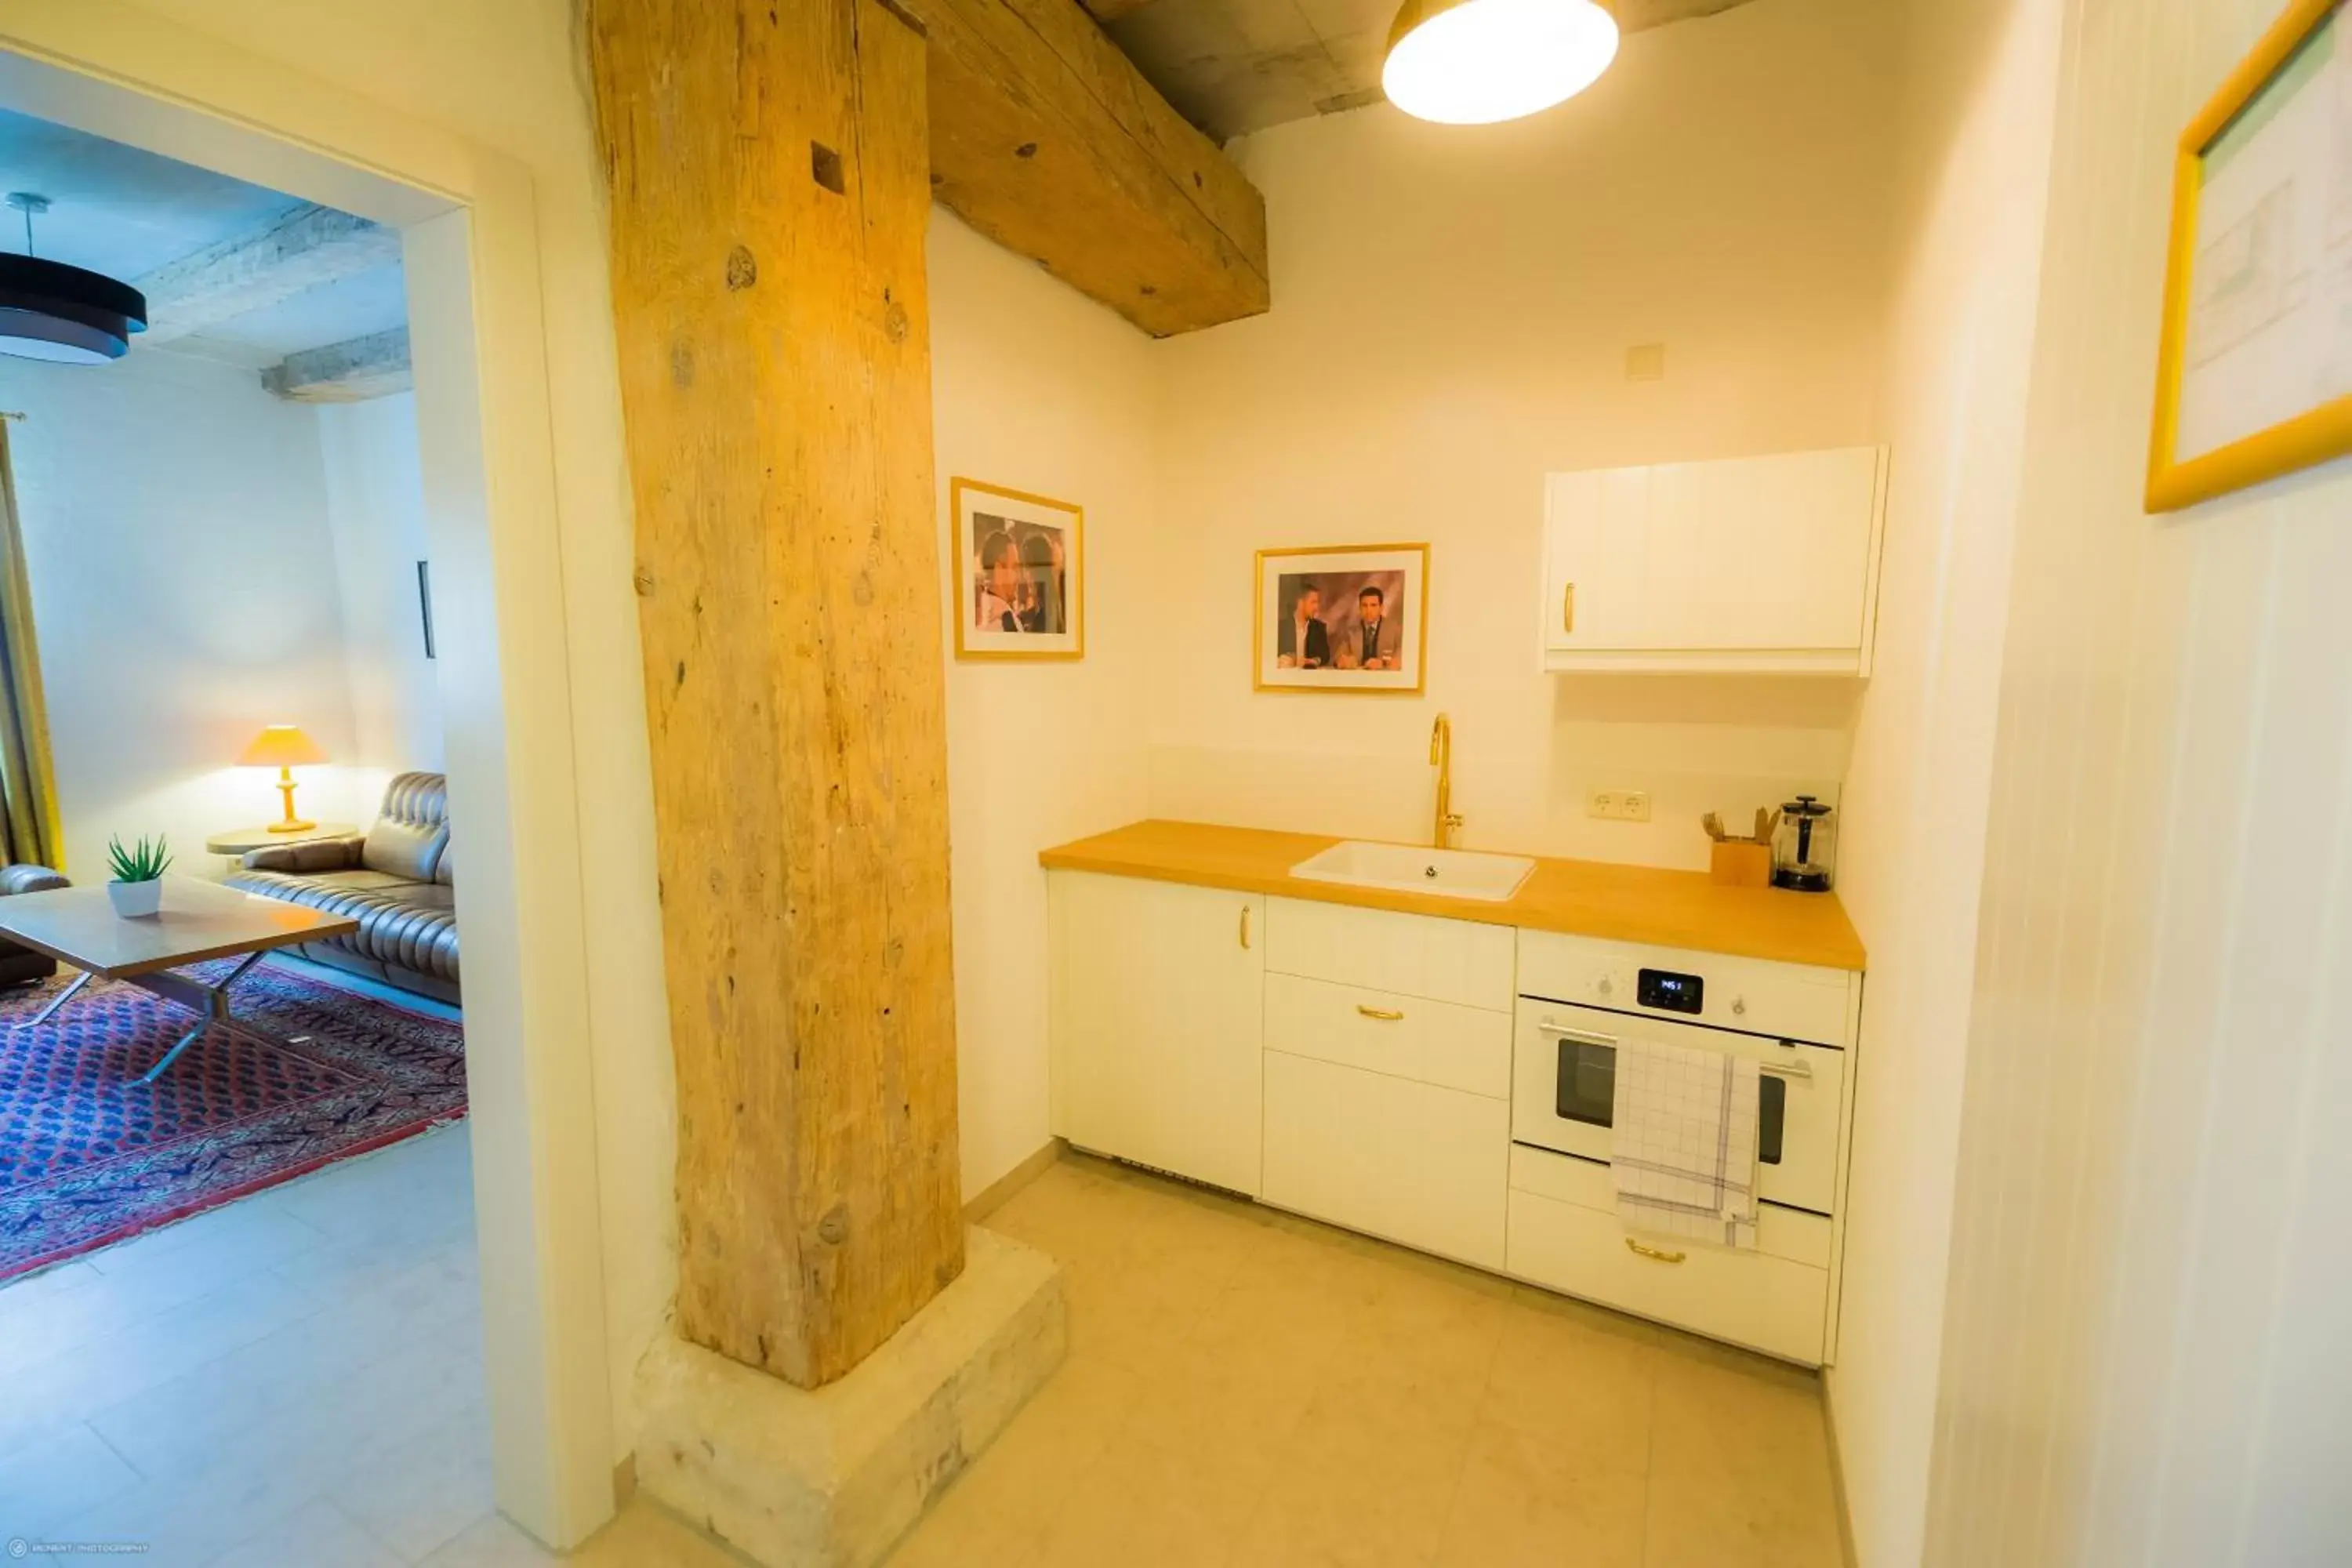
(2254, 371)
(1021, 572)
(1347, 617)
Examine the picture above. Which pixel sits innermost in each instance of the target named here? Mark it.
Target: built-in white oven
(1564, 1075)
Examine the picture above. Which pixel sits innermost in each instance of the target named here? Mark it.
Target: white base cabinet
(1408, 1162)
(1388, 1075)
(1357, 1066)
(1158, 1024)
(1565, 1235)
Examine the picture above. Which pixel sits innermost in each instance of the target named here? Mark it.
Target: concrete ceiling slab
(129, 213)
(1232, 66)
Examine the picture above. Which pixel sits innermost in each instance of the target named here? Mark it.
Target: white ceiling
(125, 212)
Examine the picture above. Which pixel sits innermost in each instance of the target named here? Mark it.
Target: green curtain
(28, 789)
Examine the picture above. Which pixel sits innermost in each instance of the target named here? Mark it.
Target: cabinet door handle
(1384, 1015)
(1638, 1250)
(1567, 609)
(1245, 926)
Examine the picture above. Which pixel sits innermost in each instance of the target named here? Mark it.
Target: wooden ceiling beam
(1046, 138)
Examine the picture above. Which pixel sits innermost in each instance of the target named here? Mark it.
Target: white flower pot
(136, 898)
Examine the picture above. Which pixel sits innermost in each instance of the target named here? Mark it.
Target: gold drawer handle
(1245, 925)
(1638, 1250)
(1567, 609)
(1382, 1013)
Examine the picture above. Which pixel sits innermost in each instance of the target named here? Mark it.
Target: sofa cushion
(373, 881)
(306, 855)
(412, 828)
(29, 879)
(409, 924)
(407, 850)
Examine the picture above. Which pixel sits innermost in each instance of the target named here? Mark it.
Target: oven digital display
(1675, 992)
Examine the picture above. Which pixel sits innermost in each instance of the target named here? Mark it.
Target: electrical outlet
(1619, 804)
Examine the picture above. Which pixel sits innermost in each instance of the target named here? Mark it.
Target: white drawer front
(1409, 1161)
(1751, 1298)
(1812, 1087)
(1795, 1000)
(1789, 1233)
(1440, 1042)
(1419, 956)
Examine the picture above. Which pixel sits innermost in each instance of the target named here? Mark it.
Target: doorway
(469, 251)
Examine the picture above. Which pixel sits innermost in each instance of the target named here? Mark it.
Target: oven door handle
(1592, 1037)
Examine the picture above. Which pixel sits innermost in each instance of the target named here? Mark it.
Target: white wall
(507, 78)
(1335, 416)
(375, 510)
(1979, 90)
(2146, 1360)
(1452, 311)
(1037, 388)
(185, 594)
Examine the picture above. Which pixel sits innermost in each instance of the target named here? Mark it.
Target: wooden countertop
(1584, 897)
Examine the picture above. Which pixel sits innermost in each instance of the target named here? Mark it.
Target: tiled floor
(1244, 1388)
(292, 1381)
(295, 1381)
(309, 1354)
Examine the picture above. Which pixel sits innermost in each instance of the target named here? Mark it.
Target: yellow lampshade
(281, 746)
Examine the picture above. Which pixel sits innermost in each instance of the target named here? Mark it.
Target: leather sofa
(398, 881)
(20, 966)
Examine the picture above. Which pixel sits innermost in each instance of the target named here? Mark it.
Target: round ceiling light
(68, 315)
(1473, 62)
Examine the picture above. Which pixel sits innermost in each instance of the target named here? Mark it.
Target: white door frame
(485, 437)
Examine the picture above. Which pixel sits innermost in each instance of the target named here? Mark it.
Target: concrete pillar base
(832, 1478)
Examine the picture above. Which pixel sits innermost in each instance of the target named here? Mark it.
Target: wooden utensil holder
(1740, 863)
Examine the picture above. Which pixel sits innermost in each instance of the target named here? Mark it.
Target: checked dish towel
(1683, 1150)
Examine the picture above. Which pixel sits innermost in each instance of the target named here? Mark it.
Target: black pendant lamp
(66, 314)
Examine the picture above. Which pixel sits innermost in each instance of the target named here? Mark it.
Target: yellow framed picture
(2254, 373)
(1020, 574)
(1342, 617)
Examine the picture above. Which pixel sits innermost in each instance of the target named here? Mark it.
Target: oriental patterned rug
(89, 1155)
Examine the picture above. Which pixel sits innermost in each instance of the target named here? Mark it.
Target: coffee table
(199, 920)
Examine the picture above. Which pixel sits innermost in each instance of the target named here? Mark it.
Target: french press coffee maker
(1804, 848)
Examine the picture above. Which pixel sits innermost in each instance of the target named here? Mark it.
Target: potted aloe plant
(137, 885)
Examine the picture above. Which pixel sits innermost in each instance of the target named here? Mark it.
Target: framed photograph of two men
(1346, 617)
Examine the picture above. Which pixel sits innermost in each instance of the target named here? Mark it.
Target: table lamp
(282, 746)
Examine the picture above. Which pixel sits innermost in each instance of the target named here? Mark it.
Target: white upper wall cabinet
(1747, 563)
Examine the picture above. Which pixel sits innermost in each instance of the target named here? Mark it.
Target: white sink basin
(1455, 873)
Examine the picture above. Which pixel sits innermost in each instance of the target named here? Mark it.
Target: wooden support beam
(351, 371)
(1046, 139)
(297, 251)
(770, 191)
